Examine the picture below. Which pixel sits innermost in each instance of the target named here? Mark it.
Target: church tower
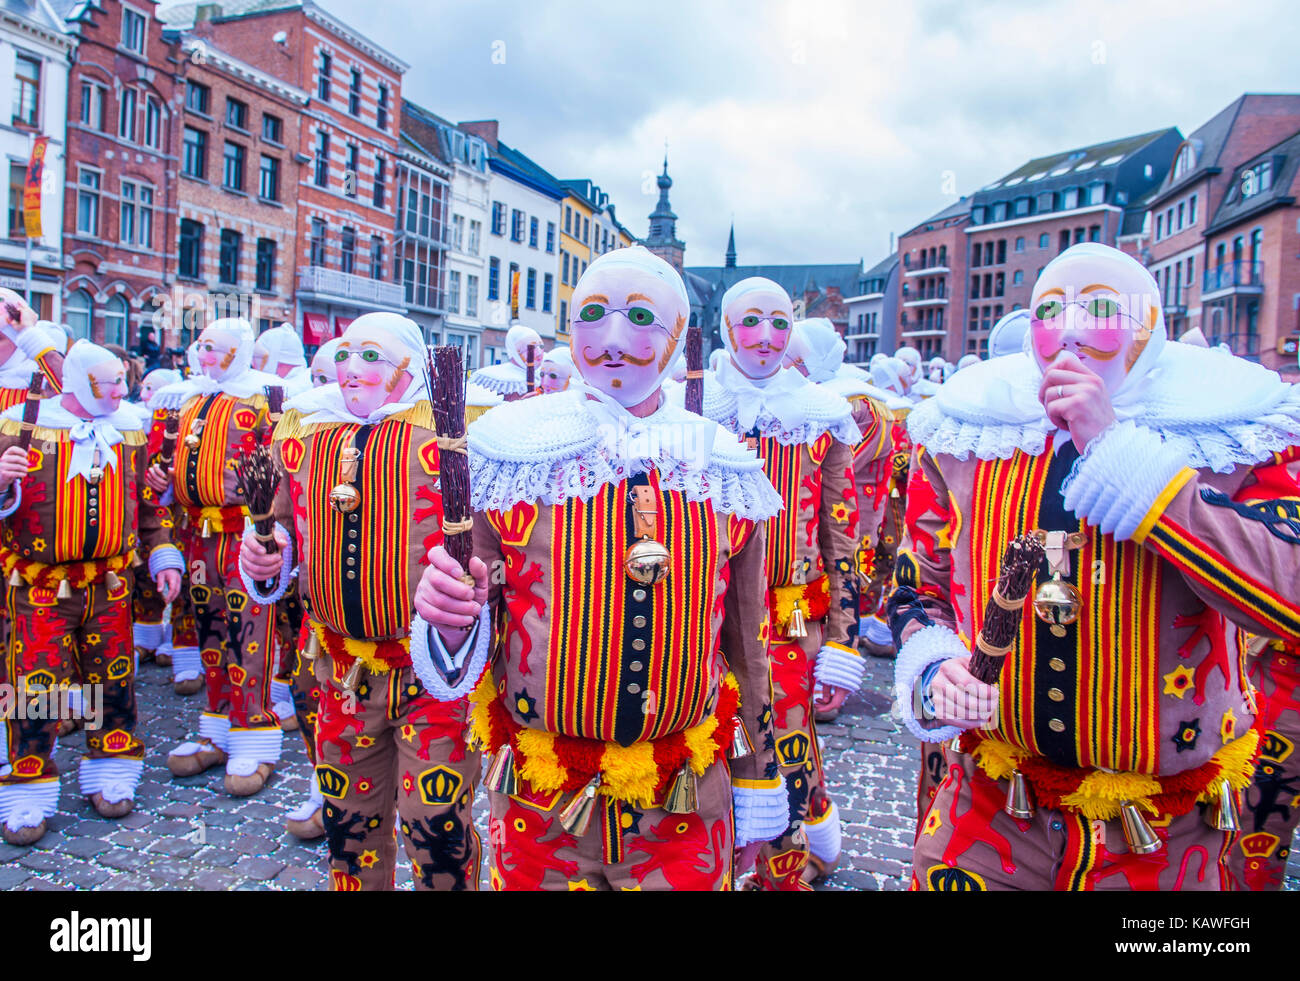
(662, 240)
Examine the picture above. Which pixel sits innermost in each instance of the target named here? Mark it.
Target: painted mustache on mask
(605, 356)
(1096, 353)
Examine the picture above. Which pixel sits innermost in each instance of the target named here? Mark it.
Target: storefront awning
(315, 328)
(341, 324)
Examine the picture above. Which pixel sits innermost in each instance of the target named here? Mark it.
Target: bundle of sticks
(31, 408)
(274, 402)
(260, 481)
(1004, 612)
(447, 398)
(171, 430)
(694, 370)
(530, 368)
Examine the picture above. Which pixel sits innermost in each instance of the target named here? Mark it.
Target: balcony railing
(346, 286)
(1241, 275)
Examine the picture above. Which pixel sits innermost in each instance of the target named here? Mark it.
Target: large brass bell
(1057, 603)
(646, 561)
(65, 591)
(575, 816)
(502, 777)
(1020, 805)
(344, 498)
(1222, 815)
(192, 441)
(741, 744)
(352, 679)
(112, 582)
(312, 650)
(15, 579)
(206, 530)
(683, 793)
(797, 626)
(1137, 832)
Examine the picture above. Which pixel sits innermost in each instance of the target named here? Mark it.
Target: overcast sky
(821, 126)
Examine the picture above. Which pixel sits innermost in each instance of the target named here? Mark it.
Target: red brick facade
(932, 269)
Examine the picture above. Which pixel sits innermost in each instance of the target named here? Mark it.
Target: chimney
(206, 11)
(485, 128)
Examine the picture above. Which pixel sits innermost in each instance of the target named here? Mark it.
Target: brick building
(235, 142)
(928, 287)
(871, 314)
(120, 200)
(423, 184)
(348, 143)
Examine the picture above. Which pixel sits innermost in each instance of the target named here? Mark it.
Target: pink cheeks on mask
(761, 324)
(1093, 326)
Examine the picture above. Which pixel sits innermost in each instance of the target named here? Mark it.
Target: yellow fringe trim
(362, 650)
(1098, 796)
(788, 597)
(76, 574)
(12, 427)
(473, 412)
(217, 522)
(291, 423)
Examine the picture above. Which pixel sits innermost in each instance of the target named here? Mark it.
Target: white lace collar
(506, 378)
(790, 407)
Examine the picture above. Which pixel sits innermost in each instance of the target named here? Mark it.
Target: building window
(77, 314)
(586, 231)
(115, 317)
(475, 234)
(564, 267)
(1094, 233)
(152, 123)
(17, 182)
(548, 285)
(93, 98)
(322, 161)
(237, 114)
(194, 155)
(323, 77)
(564, 315)
(352, 167)
(1069, 199)
(550, 237)
(453, 292)
(268, 179)
(27, 89)
(348, 250)
(381, 108)
(126, 116)
(516, 225)
(376, 257)
(196, 97)
(381, 190)
(1022, 207)
(568, 220)
(533, 226)
(137, 214)
(1018, 277)
(1257, 179)
(498, 218)
(1020, 244)
(228, 259)
(354, 93)
(1181, 208)
(272, 128)
(530, 290)
(1160, 227)
(265, 265)
(457, 232)
(317, 255)
(88, 202)
(191, 253)
(494, 279)
(471, 296)
(133, 30)
(1044, 240)
(1191, 210)
(232, 167)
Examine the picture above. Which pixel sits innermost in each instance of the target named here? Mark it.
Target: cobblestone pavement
(189, 834)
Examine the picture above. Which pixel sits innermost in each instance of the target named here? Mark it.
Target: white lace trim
(761, 813)
(826, 411)
(923, 648)
(825, 836)
(839, 669)
(1117, 480)
(506, 378)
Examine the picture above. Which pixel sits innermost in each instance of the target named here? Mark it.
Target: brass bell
(502, 776)
(683, 796)
(1020, 805)
(15, 579)
(65, 591)
(797, 627)
(741, 744)
(575, 816)
(1137, 832)
(344, 498)
(95, 475)
(312, 650)
(353, 677)
(112, 582)
(206, 530)
(647, 561)
(1222, 814)
(192, 441)
(1057, 603)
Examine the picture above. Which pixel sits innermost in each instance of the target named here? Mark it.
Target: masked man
(509, 379)
(359, 486)
(624, 629)
(26, 347)
(323, 369)
(72, 530)
(556, 370)
(222, 415)
(1123, 726)
(805, 435)
(279, 351)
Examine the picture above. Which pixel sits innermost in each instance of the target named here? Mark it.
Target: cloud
(821, 125)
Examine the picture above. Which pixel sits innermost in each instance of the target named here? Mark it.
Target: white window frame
(144, 30)
(97, 193)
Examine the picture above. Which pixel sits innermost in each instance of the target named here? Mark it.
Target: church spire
(662, 240)
(731, 247)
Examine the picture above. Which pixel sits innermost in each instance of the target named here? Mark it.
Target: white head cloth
(329, 401)
(238, 381)
(823, 348)
(99, 433)
(1008, 334)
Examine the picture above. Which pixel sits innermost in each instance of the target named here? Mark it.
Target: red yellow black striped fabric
(211, 472)
(1114, 641)
(75, 538)
(784, 466)
(383, 540)
(9, 397)
(589, 594)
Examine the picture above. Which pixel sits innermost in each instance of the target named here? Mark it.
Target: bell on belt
(206, 530)
(192, 441)
(344, 498)
(312, 650)
(1141, 839)
(95, 475)
(15, 579)
(1019, 804)
(741, 744)
(112, 582)
(683, 796)
(65, 591)
(501, 775)
(796, 627)
(1221, 815)
(646, 561)
(575, 816)
(353, 677)
(1057, 603)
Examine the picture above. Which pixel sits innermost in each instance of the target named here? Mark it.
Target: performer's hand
(745, 856)
(158, 479)
(13, 466)
(10, 304)
(830, 698)
(1076, 400)
(959, 698)
(258, 562)
(169, 584)
(443, 600)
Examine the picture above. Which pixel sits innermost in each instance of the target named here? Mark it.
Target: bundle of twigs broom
(274, 402)
(260, 481)
(31, 409)
(1003, 614)
(447, 398)
(694, 371)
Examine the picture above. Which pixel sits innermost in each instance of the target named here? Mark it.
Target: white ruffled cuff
(762, 810)
(164, 557)
(10, 508)
(1116, 481)
(187, 664)
(255, 746)
(26, 805)
(168, 496)
(426, 644)
(839, 668)
(825, 836)
(215, 729)
(33, 342)
(287, 570)
(114, 777)
(147, 636)
(923, 648)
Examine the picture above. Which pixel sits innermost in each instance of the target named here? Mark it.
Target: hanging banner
(32, 188)
(514, 297)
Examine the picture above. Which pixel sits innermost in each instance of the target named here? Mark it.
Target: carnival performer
(556, 370)
(25, 348)
(223, 414)
(805, 435)
(1121, 706)
(627, 657)
(359, 479)
(1008, 334)
(509, 379)
(72, 529)
(279, 351)
(323, 369)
